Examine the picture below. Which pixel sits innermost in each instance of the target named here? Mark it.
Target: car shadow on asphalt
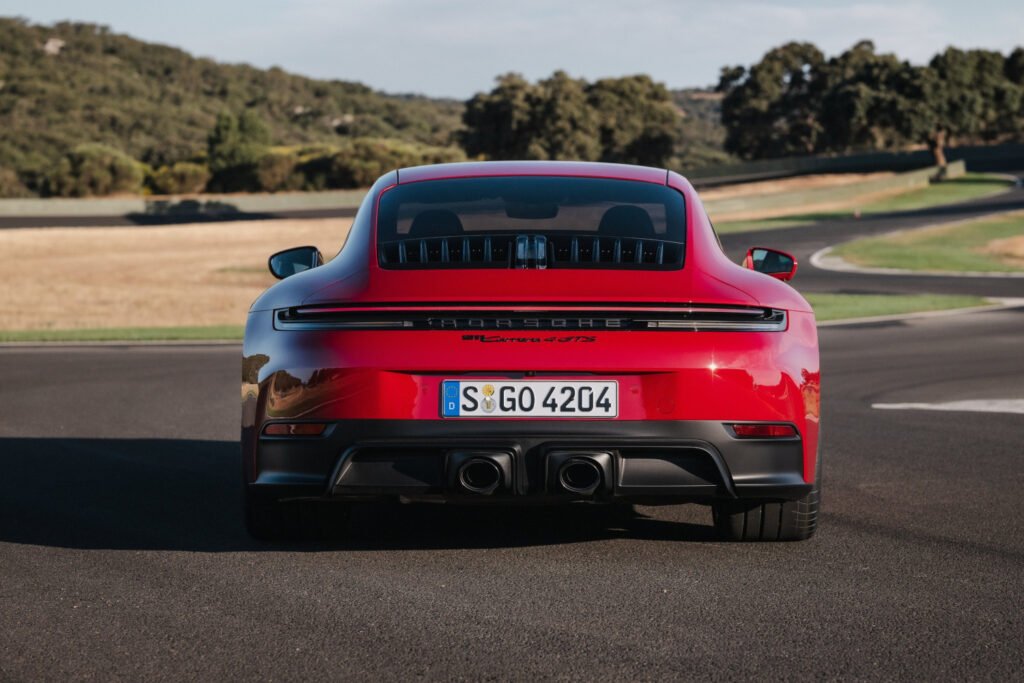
(179, 494)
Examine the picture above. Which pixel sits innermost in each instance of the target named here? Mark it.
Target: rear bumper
(661, 461)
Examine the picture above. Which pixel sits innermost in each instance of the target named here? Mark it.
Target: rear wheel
(791, 520)
(299, 520)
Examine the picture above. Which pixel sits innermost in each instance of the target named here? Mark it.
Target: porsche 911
(531, 332)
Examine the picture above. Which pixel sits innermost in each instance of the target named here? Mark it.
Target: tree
(564, 124)
(772, 109)
(1014, 67)
(872, 101)
(11, 185)
(234, 149)
(639, 123)
(629, 120)
(94, 170)
(975, 98)
(499, 124)
(181, 178)
(792, 101)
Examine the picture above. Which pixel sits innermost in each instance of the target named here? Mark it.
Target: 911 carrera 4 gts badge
(501, 339)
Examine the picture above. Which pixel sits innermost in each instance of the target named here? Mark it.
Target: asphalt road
(145, 219)
(122, 554)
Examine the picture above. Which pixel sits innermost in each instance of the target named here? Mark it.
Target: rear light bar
(763, 431)
(528, 318)
(294, 429)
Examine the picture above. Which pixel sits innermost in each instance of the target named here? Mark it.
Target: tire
(271, 520)
(792, 520)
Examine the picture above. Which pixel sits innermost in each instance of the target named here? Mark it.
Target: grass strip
(828, 307)
(952, 248)
(214, 332)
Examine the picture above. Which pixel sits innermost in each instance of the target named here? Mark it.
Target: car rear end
(531, 339)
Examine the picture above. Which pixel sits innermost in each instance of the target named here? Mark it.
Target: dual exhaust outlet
(480, 476)
(580, 473)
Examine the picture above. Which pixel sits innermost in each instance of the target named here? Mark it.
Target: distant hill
(73, 83)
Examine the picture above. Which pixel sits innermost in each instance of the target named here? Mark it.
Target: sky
(454, 48)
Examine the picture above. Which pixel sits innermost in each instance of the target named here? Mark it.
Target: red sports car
(510, 332)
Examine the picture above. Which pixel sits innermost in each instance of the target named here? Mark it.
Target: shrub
(364, 160)
(94, 170)
(11, 185)
(276, 171)
(234, 149)
(181, 178)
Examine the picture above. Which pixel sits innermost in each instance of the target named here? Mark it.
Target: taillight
(294, 429)
(640, 317)
(763, 431)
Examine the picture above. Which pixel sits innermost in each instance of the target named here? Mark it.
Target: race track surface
(122, 554)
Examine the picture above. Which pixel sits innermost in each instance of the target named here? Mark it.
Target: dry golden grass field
(1010, 250)
(796, 184)
(199, 274)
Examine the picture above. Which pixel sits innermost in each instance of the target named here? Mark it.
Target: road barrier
(212, 205)
(1005, 157)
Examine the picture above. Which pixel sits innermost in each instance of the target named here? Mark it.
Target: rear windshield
(531, 222)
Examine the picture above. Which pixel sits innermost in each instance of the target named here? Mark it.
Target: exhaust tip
(480, 476)
(581, 476)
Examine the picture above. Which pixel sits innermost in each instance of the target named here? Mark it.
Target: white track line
(983, 405)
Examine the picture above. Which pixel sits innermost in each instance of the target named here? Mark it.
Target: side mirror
(778, 264)
(291, 261)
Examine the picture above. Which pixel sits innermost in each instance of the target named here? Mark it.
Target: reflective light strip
(735, 319)
(763, 431)
(511, 309)
(346, 324)
(728, 325)
(294, 429)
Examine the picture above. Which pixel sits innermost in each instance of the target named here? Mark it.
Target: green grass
(954, 248)
(233, 332)
(970, 186)
(845, 306)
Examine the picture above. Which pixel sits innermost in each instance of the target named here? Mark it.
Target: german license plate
(529, 399)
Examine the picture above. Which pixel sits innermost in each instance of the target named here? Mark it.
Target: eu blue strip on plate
(450, 402)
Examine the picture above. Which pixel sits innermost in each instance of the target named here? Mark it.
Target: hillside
(81, 107)
(72, 83)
